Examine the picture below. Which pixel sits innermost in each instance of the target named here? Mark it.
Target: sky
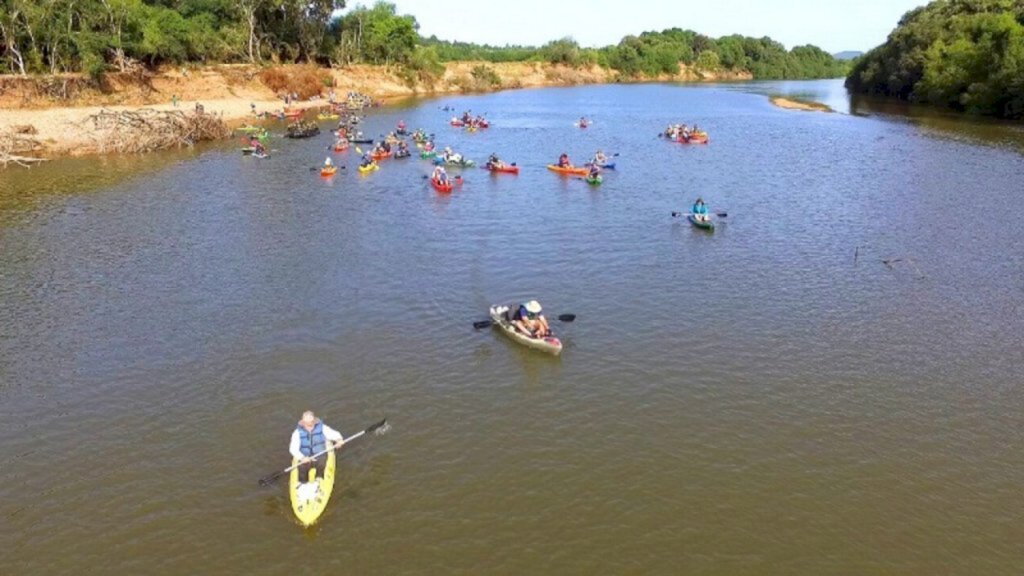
(833, 25)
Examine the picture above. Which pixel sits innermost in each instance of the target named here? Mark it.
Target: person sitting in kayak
(366, 160)
(451, 157)
(563, 161)
(595, 171)
(440, 175)
(257, 146)
(403, 148)
(583, 120)
(467, 117)
(385, 147)
(700, 210)
(494, 161)
(401, 125)
(530, 321)
(311, 436)
(429, 146)
(600, 158)
(328, 163)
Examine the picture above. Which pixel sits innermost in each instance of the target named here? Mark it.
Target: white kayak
(549, 344)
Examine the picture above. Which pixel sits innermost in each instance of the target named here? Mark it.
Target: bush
(486, 76)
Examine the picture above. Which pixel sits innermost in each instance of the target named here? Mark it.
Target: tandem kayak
(368, 168)
(309, 500)
(329, 171)
(707, 224)
(569, 170)
(506, 168)
(446, 188)
(549, 344)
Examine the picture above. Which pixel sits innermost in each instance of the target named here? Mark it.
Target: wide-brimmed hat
(533, 307)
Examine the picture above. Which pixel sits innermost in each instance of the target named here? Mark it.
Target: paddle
(380, 428)
(719, 214)
(320, 167)
(488, 323)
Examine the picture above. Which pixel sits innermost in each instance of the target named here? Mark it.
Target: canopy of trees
(963, 54)
(50, 36)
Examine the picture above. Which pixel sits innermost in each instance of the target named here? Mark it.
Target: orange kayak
(569, 170)
(380, 156)
(694, 139)
(329, 171)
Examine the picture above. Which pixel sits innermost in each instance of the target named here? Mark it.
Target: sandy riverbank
(60, 125)
(790, 104)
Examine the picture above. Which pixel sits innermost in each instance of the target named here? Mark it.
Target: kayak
(260, 155)
(694, 139)
(569, 170)
(401, 154)
(446, 188)
(380, 155)
(248, 151)
(595, 181)
(506, 168)
(327, 116)
(311, 501)
(549, 344)
(463, 163)
(368, 168)
(708, 224)
(458, 123)
(609, 166)
(427, 155)
(293, 114)
(341, 148)
(362, 141)
(329, 171)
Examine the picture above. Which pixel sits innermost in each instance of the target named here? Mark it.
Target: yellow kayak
(309, 505)
(368, 168)
(327, 116)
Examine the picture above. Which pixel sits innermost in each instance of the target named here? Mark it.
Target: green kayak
(595, 181)
(703, 224)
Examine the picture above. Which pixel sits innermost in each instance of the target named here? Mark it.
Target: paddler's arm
(334, 436)
(294, 447)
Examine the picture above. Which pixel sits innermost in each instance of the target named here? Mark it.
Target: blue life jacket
(312, 442)
(701, 209)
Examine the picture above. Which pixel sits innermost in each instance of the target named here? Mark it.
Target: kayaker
(440, 175)
(366, 160)
(403, 148)
(429, 146)
(310, 437)
(529, 319)
(494, 161)
(600, 159)
(401, 125)
(700, 210)
(563, 161)
(595, 171)
(386, 146)
(328, 163)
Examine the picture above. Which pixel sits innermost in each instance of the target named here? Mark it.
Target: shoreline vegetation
(791, 103)
(66, 61)
(964, 55)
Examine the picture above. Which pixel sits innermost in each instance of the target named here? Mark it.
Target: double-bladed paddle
(379, 428)
(488, 323)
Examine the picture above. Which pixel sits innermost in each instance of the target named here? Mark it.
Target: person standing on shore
(311, 436)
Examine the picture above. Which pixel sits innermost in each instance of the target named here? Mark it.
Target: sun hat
(533, 307)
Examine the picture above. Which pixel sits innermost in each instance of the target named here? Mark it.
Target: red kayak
(458, 123)
(380, 155)
(694, 139)
(446, 188)
(506, 168)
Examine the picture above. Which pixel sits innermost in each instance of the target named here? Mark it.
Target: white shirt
(295, 445)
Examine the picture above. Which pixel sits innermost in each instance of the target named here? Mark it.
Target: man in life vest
(311, 437)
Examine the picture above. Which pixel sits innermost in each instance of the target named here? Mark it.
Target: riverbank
(57, 108)
(805, 106)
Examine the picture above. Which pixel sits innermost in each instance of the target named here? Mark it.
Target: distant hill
(847, 55)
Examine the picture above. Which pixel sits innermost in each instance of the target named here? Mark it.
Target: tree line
(967, 55)
(94, 36)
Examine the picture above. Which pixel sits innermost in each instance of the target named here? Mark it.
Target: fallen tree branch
(146, 130)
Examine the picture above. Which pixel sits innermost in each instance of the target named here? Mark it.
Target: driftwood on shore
(146, 130)
(14, 143)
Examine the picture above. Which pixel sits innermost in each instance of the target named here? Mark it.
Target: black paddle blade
(567, 317)
(379, 428)
(483, 324)
(676, 214)
(722, 214)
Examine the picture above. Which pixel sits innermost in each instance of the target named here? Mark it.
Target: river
(830, 383)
